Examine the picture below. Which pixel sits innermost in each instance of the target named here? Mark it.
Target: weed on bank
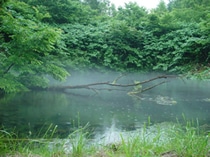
(160, 140)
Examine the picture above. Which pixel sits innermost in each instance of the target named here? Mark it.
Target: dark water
(35, 111)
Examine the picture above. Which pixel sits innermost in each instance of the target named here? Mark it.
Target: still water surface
(30, 111)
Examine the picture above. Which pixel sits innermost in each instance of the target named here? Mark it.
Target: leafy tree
(64, 11)
(161, 8)
(102, 7)
(39, 38)
(174, 4)
(104, 45)
(132, 14)
(2, 2)
(28, 49)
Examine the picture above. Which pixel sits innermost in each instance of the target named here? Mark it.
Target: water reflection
(31, 111)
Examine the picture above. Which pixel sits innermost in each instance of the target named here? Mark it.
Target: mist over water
(101, 109)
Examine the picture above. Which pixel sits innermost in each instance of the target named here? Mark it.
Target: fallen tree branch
(100, 85)
(148, 88)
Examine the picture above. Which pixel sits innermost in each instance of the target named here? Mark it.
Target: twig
(146, 89)
(10, 66)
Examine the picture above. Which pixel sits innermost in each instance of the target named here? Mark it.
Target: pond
(30, 112)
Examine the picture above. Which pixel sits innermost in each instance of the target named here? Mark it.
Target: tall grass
(7, 141)
(172, 139)
(158, 140)
(189, 139)
(78, 141)
(10, 143)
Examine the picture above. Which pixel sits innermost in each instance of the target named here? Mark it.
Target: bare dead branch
(148, 88)
(100, 85)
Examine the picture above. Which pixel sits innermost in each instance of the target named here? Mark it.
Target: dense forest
(49, 38)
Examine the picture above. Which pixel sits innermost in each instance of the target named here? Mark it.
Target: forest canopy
(39, 39)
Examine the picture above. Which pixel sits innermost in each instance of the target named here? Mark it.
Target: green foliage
(106, 45)
(174, 49)
(156, 41)
(187, 3)
(161, 8)
(83, 44)
(2, 2)
(132, 14)
(27, 46)
(87, 34)
(63, 11)
(9, 83)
